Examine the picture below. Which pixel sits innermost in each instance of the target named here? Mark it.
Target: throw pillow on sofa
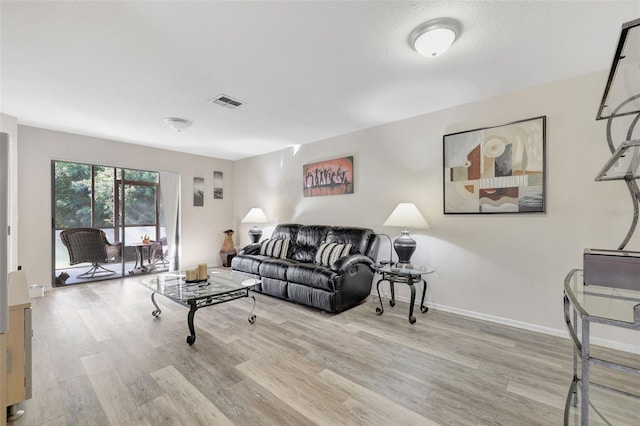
(330, 252)
(275, 248)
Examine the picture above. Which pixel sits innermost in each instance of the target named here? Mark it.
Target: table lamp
(255, 215)
(405, 215)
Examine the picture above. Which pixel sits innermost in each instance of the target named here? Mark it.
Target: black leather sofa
(298, 276)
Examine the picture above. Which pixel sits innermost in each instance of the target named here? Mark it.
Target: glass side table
(408, 276)
(584, 305)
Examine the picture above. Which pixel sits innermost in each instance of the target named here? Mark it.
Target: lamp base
(255, 234)
(404, 246)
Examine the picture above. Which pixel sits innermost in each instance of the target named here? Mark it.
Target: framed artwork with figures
(330, 177)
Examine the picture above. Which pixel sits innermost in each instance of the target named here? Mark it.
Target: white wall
(507, 268)
(9, 125)
(202, 227)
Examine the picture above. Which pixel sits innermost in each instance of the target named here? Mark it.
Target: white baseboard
(625, 347)
(500, 320)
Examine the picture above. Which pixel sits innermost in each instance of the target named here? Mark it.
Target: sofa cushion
(307, 242)
(275, 248)
(328, 253)
(275, 268)
(325, 300)
(286, 230)
(359, 238)
(274, 287)
(312, 275)
(249, 263)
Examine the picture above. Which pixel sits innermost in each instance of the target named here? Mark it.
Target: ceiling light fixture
(434, 37)
(177, 124)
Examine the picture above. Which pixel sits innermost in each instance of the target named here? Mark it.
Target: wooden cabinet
(16, 353)
(18, 341)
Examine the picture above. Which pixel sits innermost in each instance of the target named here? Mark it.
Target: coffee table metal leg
(252, 317)
(156, 313)
(192, 312)
(423, 308)
(412, 319)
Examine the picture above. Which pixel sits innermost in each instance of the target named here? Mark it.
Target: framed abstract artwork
(331, 177)
(496, 169)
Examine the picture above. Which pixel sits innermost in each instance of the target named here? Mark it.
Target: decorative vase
(228, 250)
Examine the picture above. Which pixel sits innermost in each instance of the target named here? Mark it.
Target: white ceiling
(307, 70)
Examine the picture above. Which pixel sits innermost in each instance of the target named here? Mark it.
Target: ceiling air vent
(226, 101)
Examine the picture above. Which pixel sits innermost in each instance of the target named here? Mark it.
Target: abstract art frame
(331, 177)
(500, 169)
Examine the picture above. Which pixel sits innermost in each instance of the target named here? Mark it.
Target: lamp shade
(255, 215)
(406, 215)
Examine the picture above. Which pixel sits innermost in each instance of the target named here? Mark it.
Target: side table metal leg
(392, 286)
(412, 319)
(379, 310)
(584, 406)
(156, 313)
(423, 308)
(192, 312)
(575, 355)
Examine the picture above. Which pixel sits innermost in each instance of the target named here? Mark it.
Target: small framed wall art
(198, 192)
(331, 177)
(217, 186)
(497, 169)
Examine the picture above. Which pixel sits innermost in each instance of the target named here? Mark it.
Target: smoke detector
(177, 124)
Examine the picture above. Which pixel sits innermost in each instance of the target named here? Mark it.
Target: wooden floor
(101, 358)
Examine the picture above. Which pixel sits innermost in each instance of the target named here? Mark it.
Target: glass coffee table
(220, 286)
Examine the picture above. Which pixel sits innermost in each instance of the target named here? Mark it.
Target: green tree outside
(73, 196)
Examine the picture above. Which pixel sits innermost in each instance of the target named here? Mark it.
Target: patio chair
(158, 252)
(90, 245)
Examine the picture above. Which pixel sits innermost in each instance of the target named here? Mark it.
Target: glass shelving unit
(624, 81)
(623, 164)
(622, 97)
(589, 402)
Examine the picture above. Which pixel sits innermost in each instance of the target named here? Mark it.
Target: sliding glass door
(125, 205)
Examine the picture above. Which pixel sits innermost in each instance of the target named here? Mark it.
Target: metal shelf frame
(578, 320)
